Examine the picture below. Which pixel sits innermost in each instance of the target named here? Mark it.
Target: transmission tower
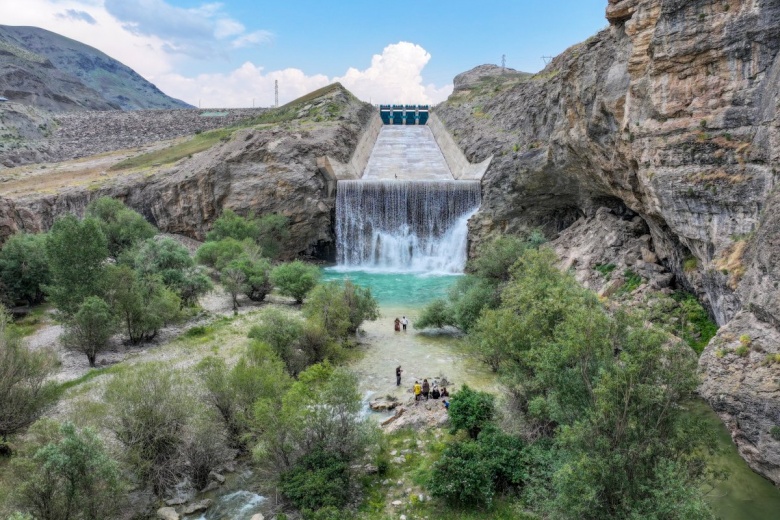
(547, 59)
(503, 63)
(276, 93)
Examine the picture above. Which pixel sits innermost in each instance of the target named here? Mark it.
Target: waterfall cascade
(404, 226)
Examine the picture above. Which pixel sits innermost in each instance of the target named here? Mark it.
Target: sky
(229, 53)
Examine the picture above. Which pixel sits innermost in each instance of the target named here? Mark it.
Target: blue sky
(229, 53)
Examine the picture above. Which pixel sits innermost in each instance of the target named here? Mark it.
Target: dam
(406, 211)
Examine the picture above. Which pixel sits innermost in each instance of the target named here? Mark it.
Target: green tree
(471, 410)
(26, 392)
(76, 251)
(231, 225)
(340, 308)
(470, 473)
(24, 271)
(259, 374)
(497, 257)
(320, 412)
(295, 279)
(142, 304)
(273, 233)
(257, 280)
(234, 281)
(170, 261)
(218, 254)
(282, 332)
(70, 478)
(122, 226)
(90, 329)
(436, 314)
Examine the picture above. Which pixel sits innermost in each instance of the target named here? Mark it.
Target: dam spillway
(406, 213)
(404, 226)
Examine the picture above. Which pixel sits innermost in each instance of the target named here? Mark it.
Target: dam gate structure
(406, 210)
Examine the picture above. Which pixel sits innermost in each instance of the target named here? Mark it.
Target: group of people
(425, 390)
(403, 322)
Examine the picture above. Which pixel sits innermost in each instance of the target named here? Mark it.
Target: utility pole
(276, 93)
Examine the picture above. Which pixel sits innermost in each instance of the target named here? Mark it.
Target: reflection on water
(744, 495)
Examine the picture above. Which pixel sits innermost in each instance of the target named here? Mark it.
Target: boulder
(198, 506)
(167, 513)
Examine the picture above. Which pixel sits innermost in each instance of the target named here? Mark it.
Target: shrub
(273, 233)
(471, 411)
(340, 308)
(318, 479)
(219, 254)
(632, 281)
(72, 477)
(494, 261)
(24, 271)
(742, 351)
(462, 475)
(25, 390)
(230, 225)
(436, 314)
(295, 279)
(165, 433)
(605, 269)
(282, 332)
(774, 432)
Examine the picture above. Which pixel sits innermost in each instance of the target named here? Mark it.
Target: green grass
(171, 154)
(605, 269)
(31, 323)
(632, 282)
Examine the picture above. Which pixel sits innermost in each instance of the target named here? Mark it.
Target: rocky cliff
(270, 167)
(669, 115)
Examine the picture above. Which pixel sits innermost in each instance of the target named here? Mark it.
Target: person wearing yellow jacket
(417, 391)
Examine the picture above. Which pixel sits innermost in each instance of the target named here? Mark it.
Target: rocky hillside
(47, 70)
(669, 115)
(267, 165)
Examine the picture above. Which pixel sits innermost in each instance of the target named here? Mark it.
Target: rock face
(472, 78)
(671, 114)
(258, 170)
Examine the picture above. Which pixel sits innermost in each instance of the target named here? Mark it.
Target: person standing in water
(398, 375)
(397, 325)
(404, 322)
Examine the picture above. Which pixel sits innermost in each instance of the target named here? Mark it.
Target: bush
(24, 271)
(72, 477)
(436, 314)
(295, 279)
(282, 332)
(165, 433)
(494, 262)
(273, 233)
(318, 479)
(233, 392)
(340, 308)
(471, 410)
(122, 226)
(25, 390)
(219, 254)
(463, 475)
(142, 305)
(230, 225)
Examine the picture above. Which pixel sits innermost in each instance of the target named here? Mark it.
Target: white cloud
(394, 76)
(241, 87)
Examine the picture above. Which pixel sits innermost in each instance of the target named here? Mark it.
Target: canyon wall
(668, 115)
(260, 170)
